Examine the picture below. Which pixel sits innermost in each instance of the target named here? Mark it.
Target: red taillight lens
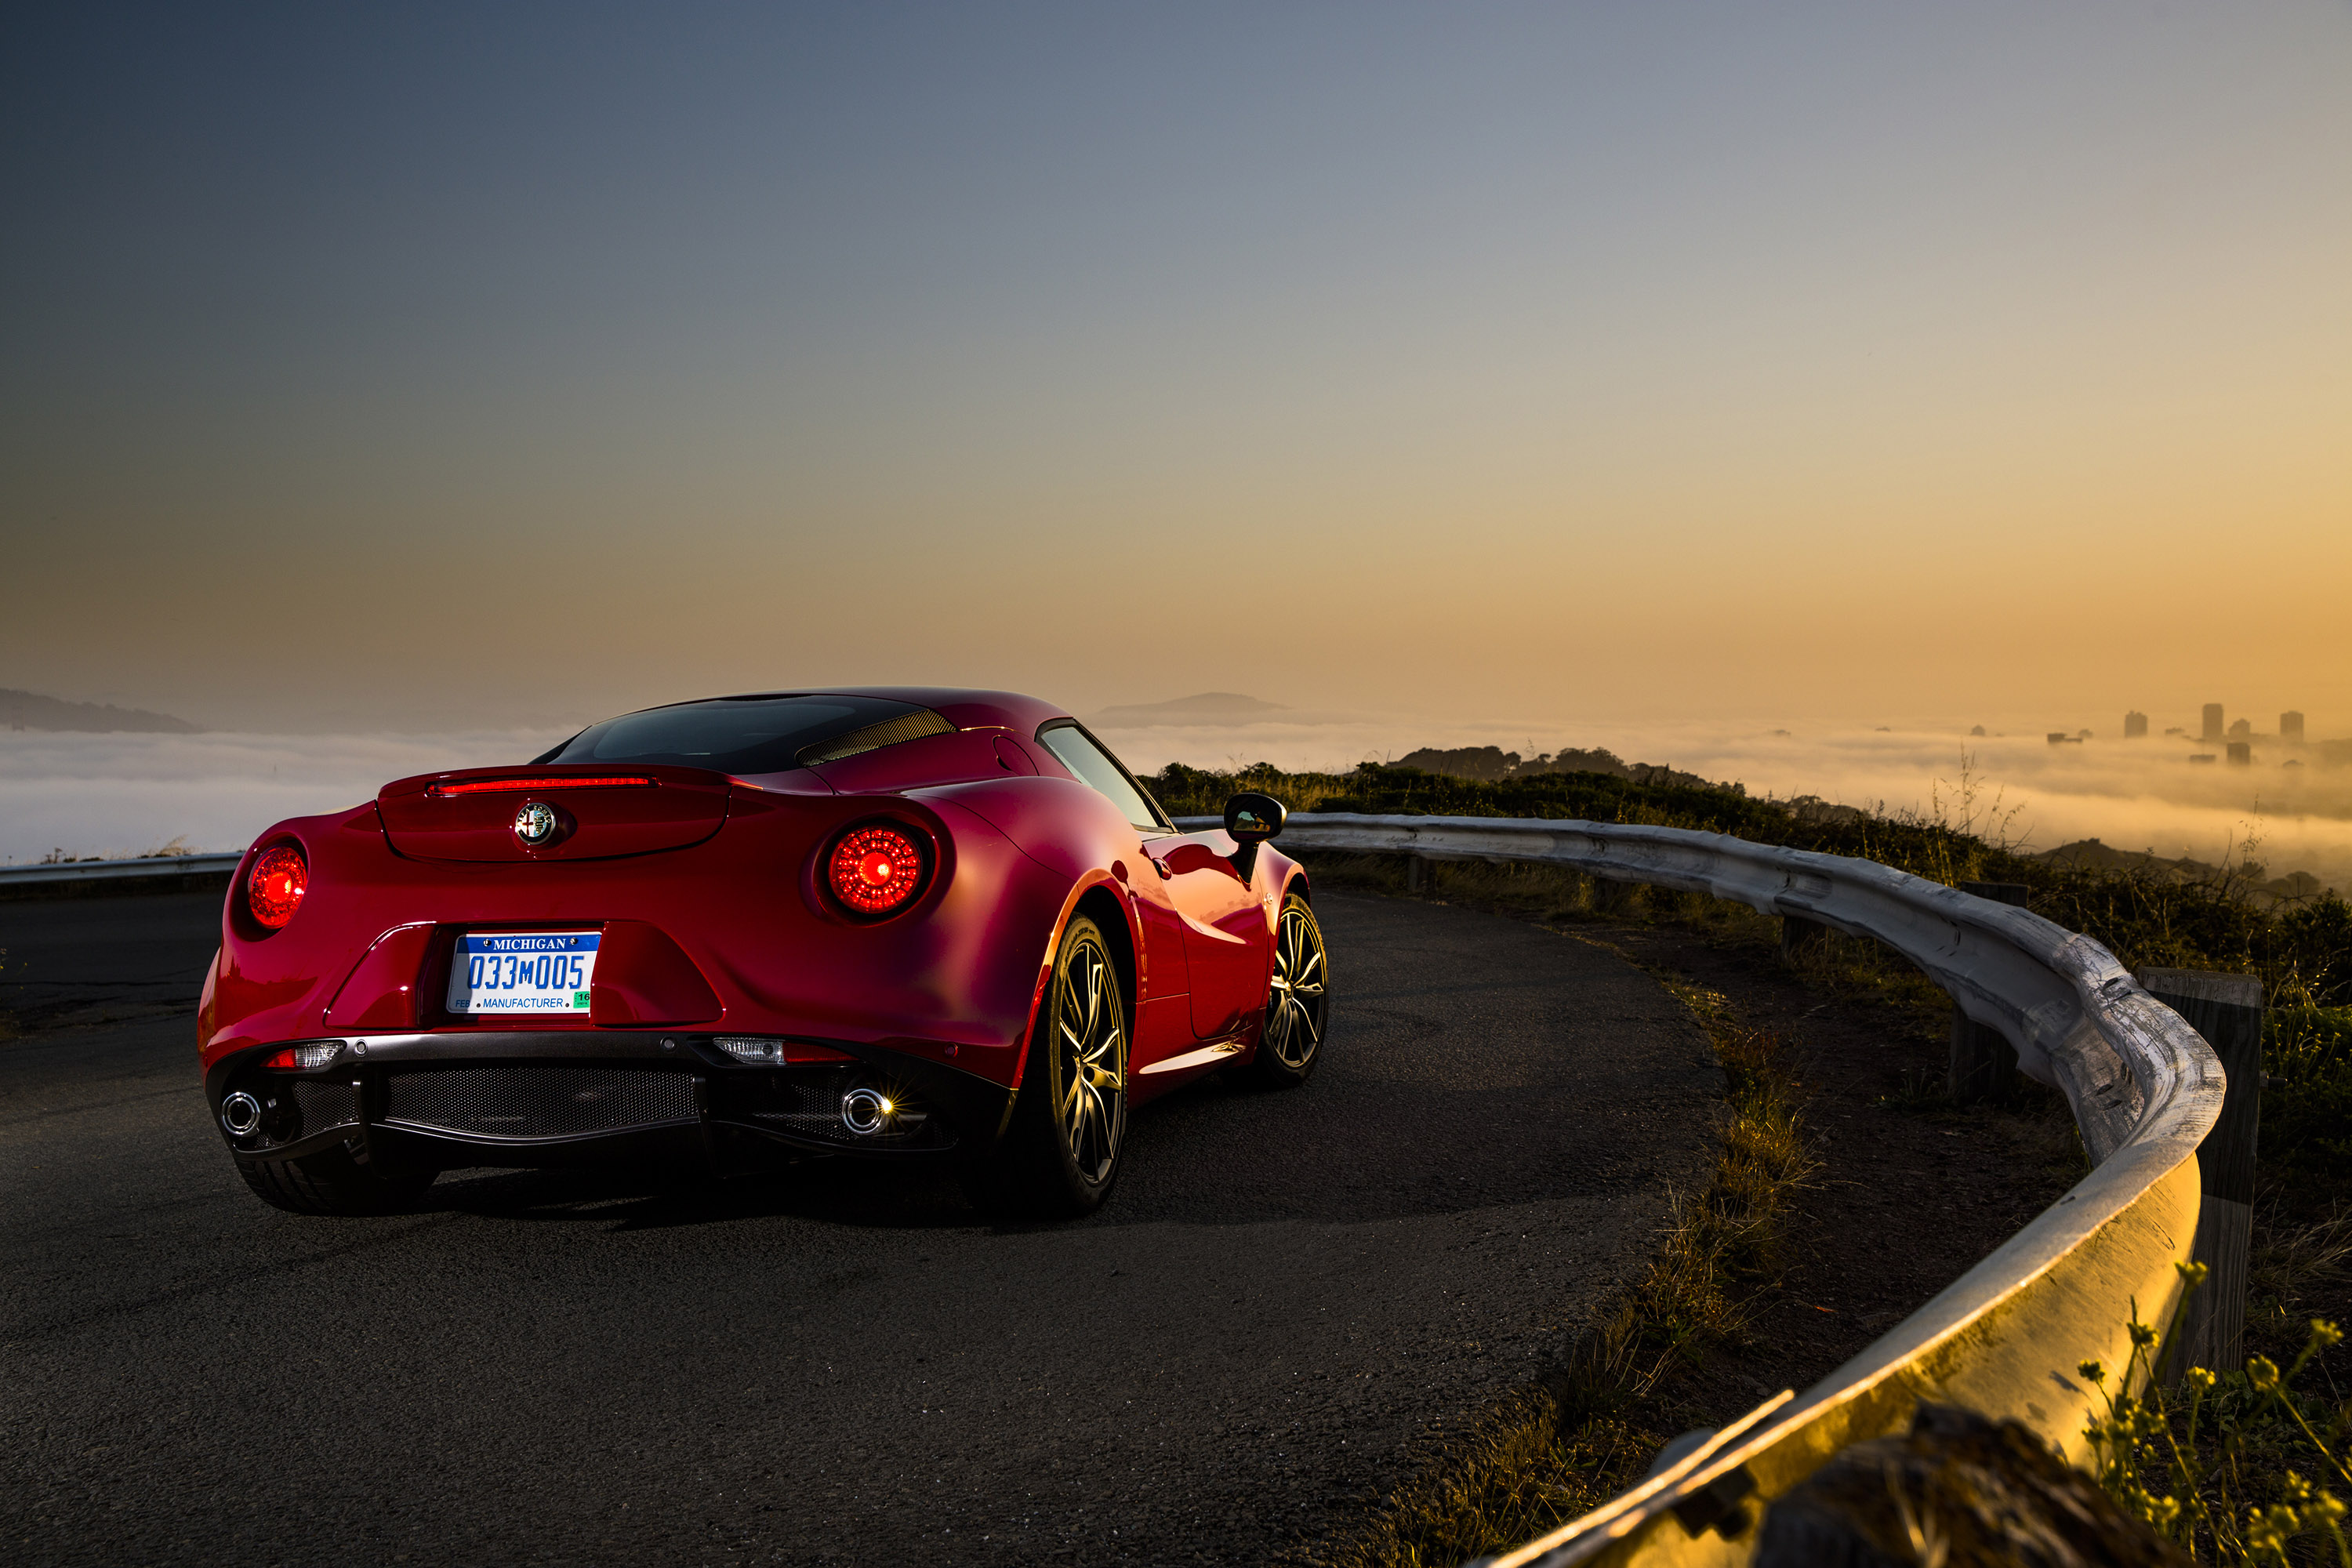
(274, 891)
(537, 783)
(875, 871)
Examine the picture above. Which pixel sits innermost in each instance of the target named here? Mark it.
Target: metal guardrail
(2004, 1338)
(118, 870)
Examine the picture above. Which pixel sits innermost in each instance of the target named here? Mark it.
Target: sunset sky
(511, 365)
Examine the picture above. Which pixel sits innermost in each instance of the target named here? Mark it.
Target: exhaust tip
(240, 1113)
(867, 1110)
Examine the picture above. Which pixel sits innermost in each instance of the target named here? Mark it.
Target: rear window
(749, 735)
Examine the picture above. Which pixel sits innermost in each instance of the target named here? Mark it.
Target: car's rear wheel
(1061, 1155)
(1298, 1002)
(331, 1183)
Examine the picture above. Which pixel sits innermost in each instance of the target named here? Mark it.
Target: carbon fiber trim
(537, 1102)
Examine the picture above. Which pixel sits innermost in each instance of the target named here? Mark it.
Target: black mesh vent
(319, 1106)
(888, 732)
(538, 1102)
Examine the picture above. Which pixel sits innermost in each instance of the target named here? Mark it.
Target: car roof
(966, 707)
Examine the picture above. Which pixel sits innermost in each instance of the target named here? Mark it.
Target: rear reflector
(536, 784)
(307, 1058)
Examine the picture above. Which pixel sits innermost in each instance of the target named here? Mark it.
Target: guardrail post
(1799, 936)
(2227, 1009)
(1416, 873)
(1984, 1064)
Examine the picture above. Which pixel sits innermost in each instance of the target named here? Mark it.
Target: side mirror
(1252, 819)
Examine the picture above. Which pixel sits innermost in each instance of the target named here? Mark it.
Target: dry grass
(2294, 1271)
(1560, 1450)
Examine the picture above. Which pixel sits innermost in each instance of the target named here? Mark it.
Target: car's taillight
(274, 891)
(876, 870)
(538, 782)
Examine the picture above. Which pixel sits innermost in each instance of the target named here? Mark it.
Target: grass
(1556, 1451)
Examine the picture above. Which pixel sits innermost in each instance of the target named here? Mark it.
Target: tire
(1298, 1002)
(331, 1183)
(1060, 1156)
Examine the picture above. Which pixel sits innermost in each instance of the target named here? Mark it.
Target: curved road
(1232, 1362)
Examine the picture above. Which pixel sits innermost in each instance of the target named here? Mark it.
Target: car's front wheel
(331, 1183)
(1061, 1155)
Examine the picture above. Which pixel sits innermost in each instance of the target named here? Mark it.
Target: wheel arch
(1110, 914)
(1099, 901)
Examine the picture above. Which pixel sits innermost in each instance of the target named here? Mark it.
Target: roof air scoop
(874, 737)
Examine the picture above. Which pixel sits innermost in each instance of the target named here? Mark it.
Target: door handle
(1161, 866)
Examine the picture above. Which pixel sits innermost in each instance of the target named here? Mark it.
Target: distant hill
(2089, 854)
(1490, 764)
(31, 711)
(1203, 708)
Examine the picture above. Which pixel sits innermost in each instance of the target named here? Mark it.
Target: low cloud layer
(2136, 795)
(124, 794)
(115, 795)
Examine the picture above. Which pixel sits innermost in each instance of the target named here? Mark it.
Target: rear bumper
(542, 1097)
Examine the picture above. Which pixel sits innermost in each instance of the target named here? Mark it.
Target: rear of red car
(633, 946)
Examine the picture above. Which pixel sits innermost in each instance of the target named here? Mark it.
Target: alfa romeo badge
(534, 825)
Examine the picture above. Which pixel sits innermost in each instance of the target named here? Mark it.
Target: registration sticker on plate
(522, 971)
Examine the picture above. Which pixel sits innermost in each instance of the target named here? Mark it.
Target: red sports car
(883, 922)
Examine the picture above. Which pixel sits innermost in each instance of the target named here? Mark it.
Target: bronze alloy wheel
(1298, 998)
(1060, 1151)
(1090, 1058)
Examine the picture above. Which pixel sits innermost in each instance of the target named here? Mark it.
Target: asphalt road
(1284, 1299)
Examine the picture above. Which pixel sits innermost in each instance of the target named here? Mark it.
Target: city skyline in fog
(440, 369)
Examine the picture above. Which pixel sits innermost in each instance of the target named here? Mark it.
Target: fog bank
(124, 794)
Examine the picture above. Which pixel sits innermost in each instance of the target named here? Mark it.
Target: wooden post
(2227, 1009)
(1800, 937)
(1984, 1064)
(1416, 872)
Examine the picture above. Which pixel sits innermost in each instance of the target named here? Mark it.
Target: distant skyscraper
(2240, 754)
(2291, 727)
(2213, 722)
(2243, 729)
(2134, 726)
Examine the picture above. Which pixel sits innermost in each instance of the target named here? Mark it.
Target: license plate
(522, 971)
